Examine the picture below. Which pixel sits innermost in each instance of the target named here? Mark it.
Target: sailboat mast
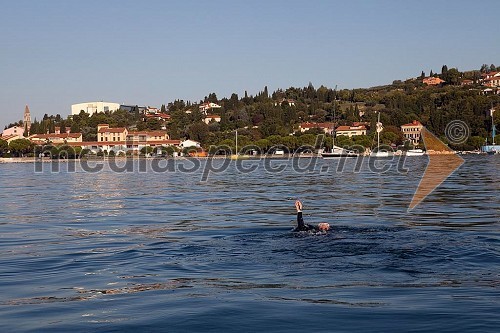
(236, 142)
(493, 129)
(378, 133)
(334, 117)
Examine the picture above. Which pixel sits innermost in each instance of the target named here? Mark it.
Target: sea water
(208, 247)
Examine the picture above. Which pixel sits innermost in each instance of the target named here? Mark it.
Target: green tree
(307, 140)
(476, 141)
(444, 70)
(20, 147)
(198, 132)
(343, 141)
(4, 147)
(263, 144)
(146, 150)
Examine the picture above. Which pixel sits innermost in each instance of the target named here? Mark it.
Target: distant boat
(337, 152)
(492, 152)
(380, 153)
(492, 149)
(415, 152)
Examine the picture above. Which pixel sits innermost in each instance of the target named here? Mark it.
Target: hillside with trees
(267, 119)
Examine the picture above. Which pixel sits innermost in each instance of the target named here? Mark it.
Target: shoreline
(6, 160)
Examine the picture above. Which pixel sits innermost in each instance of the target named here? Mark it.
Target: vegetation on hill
(268, 119)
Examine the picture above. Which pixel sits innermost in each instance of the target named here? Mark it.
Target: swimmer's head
(323, 226)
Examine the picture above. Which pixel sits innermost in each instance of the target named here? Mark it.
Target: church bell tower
(27, 120)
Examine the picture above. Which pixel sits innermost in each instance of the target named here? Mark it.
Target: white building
(94, 107)
(412, 131)
(15, 130)
(208, 106)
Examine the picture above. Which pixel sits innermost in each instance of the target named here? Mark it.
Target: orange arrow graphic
(442, 163)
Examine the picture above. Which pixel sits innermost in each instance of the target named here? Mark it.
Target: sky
(60, 52)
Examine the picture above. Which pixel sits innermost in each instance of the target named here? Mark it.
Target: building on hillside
(212, 117)
(152, 110)
(157, 116)
(412, 131)
(10, 138)
(327, 128)
(489, 91)
(485, 76)
(134, 108)
(94, 107)
(350, 131)
(14, 130)
(205, 107)
(362, 123)
(492, 82)
(466, 82)
(432, 81)
(284, 101)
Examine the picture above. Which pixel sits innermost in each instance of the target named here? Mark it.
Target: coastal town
(250, 166)
(289, 118)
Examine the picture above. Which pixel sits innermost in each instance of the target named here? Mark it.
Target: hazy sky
(58, 52)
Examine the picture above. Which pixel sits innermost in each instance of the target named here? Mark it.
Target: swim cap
(323, 226)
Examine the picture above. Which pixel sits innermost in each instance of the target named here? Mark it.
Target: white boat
(415, 152)
(380, 153)
(492, 152)
(338, 152)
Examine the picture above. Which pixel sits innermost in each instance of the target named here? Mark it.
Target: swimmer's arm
(300, 220)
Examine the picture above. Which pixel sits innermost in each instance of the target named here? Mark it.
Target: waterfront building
(412, 131)
(106, 133)
(56, 138)
(120, 139)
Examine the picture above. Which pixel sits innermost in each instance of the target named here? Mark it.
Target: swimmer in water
(301, 226)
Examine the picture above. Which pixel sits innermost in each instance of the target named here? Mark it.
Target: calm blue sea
(196, 251)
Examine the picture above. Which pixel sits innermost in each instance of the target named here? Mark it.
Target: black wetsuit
(301, 226)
